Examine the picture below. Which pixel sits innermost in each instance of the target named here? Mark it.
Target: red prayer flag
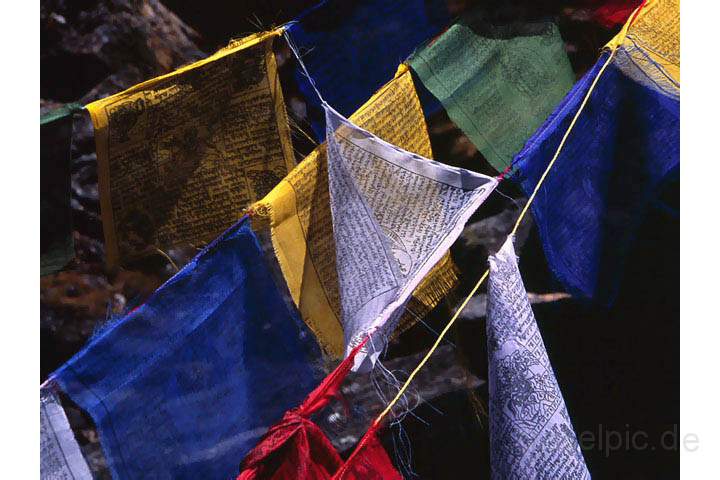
(296, 449)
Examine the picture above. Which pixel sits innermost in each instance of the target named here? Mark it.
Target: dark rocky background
(618, 367)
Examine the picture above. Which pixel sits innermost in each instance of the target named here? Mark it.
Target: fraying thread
(305, 72)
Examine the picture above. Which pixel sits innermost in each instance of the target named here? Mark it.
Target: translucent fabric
(531, 435)
(297, 216)
(649, 47)
(296, 448)
(352, 48)
(395, 214)
(181, 156)
(60, 455)
(497, 83)
(186, 384)
(623, 146)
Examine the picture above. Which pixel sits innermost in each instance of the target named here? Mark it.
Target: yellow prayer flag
(652, 36)
(182, 155)
(298, 214)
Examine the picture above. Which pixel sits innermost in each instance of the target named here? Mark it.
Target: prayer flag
(622, 148)
(497, 83)
(395, 214)
(297, 449)
(531, 435)
(351, 48)
(60, 455)
(56, 241)
(182, 155)
(648, 47)
(297, 214)
(611, 13)
(186, 384)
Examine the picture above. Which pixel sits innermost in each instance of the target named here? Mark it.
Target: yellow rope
(514, 230)
(168, 258)
(432, 349)
(562, 144)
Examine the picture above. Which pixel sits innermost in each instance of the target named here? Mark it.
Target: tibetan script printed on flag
(531, 434)
(182, 155)
(297, 212)
(649, 50)
(395, 214)
(497, 83)
(60, 455)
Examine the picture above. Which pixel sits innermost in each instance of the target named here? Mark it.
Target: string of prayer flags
(497, 83)
(187, 383)
(56, 241)
(623, 146)
(351, 48)
(531, 434)
(297, 214)
(297, 449)
(60, 455)
(395, 214)
(182, 155)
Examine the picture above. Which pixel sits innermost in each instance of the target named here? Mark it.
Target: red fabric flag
(296, 449)
(369, 461)
(614, 12)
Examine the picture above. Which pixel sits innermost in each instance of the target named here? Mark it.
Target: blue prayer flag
(624, 146)
(184, 386)
(352, 48)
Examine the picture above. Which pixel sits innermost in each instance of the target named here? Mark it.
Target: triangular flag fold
(395, 214)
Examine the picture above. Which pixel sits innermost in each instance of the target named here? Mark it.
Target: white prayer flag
(60, 455)
(395, 214)
(531, 435)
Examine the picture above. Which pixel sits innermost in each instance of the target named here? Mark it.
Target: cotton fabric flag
(297, 215)
(186, 384)
(497, 83)
(297, 449)
(531, 435)
(648, 47)
(611, 13)
(182, 155)
(395, 214)
(351, 48)
(56, 241)
(60, 455)
(623, 147)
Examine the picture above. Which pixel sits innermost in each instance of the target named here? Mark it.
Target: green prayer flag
(497, 83)
(56, 242)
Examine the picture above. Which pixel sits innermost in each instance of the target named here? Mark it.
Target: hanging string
(295, 52)
(431, 351)
(479, 283)
(168, 258)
